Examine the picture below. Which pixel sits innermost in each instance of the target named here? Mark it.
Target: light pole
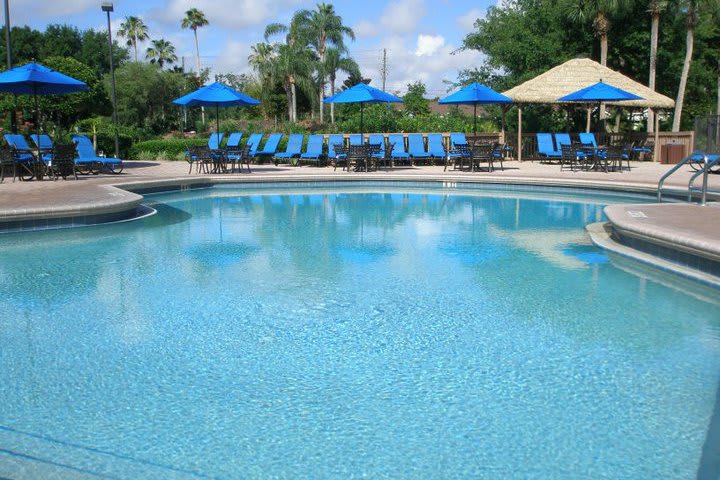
(8, 48)
(108, 7)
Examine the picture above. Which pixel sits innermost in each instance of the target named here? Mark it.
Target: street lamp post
(108, 7)
(8, 48)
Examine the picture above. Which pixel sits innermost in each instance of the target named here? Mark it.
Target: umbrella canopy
(600, 92)
(216, 95)
(36, 79)
(362, 94)
(474, 94)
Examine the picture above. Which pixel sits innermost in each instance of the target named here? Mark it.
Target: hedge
(172, 147)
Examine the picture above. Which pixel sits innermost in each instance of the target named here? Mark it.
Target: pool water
(356, 333)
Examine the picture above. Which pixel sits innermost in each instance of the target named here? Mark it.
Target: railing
(698, 157)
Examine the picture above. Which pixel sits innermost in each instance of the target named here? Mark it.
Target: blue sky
(419, 35)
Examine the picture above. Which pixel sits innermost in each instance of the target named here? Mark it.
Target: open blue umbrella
(475, 94)
(216, 95)
(362, 94)
(35, 79)
(599, 92)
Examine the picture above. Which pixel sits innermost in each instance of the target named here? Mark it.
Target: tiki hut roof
(580, 73)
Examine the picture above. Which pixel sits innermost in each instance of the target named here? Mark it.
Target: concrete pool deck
(688, 228)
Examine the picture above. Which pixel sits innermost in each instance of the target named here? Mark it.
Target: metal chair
(482, 153)
(341, 155)
(8, 161)
(63, 161)
(238, 156)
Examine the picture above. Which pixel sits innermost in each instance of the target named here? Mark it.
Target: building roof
(580, 73)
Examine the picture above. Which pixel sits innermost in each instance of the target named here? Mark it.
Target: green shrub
(171, 149)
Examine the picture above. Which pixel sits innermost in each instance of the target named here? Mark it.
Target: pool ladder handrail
(693, 157)
(709, 163)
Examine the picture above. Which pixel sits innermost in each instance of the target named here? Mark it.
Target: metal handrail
(692, 157)
(704, 172)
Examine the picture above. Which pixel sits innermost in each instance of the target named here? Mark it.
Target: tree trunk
(294, 101)
(197, 65)
(135, 46)
(654, 32)
(689, 44)
(321, 94)
(332, 105)
(603, 49)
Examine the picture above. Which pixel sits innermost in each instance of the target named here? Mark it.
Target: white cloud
(225, 13)
(402, 16)
(365, 29)
(429, 44)
(49, 9)
(406, 66)
(467, 21)
(233, 59)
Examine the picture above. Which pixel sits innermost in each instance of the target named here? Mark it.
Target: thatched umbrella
(574, 75)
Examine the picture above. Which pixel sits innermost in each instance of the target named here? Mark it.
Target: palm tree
(655, 8)
(691, 22)
(161, 52)
(260, 59)
(134, 30)
(598, 11)
(292, 65)
(293, 61)
(334, 63)
(320, 28)
(193, 20)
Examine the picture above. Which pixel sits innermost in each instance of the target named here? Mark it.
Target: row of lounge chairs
(51, 159)
(550, 151)
(419, 148)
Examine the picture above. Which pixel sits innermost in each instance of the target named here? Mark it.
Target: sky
(421, 36)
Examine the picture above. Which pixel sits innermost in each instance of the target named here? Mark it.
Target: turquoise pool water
(352, 334)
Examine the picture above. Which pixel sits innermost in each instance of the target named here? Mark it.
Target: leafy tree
(26, 45)
(161, 52)
(145, 93)
(61, 41)
(599, 12)
(414, 100)
(655, 8)
(134, 30)
(94, 51)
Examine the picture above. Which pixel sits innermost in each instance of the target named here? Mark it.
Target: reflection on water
(379, 334)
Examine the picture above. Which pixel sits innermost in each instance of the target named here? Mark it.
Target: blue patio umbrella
(216, 95)
(475, 94)
(599, 92)
(35, 79)
(362, 94)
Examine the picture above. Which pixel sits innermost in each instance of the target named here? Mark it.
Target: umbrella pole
(475, 118)
(361, 122)
(37, 126)
(217, 123)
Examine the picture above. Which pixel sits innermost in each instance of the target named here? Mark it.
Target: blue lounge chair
(355, 139)
(435, 145)
(457, 139)
(19, 143)
(87, 156)
(314, 149)
(399, 152)
(233, 140)
(214, 141)
(562, 139)
(377, 139)
(546, 148)
(294, 147)
(270, 146)
(416, 146)
(332, 141)
(42, 141)
(254, 143)
(588, 139)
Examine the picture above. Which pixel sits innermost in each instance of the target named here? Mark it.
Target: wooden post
(587, 122)
(504, 110)
(519, 139)
(656, 150)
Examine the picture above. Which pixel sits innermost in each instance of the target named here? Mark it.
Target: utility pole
(8, 47)
(383, 70)
(107, 7)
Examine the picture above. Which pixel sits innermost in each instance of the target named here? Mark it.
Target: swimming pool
(352, 332)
